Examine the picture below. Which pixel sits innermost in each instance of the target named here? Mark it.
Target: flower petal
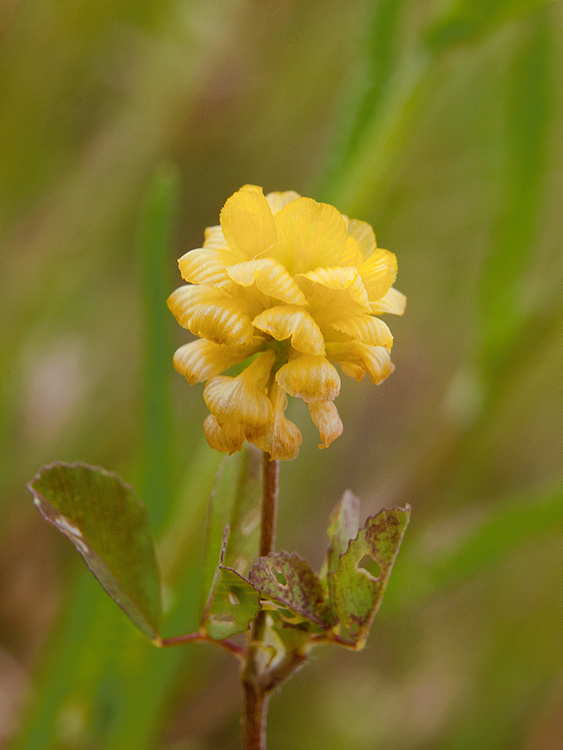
(364, 235)
(270, 277)
(277, 201)
(310, 234)
(228, 438)
(353, 371)
(337, 277)
(285, 321)
(214, 239)
(242, 399)
(378, 273)
(352, 254)
(393, 302)
(208, 267)
(325, 416)
(364, 328)
(202, 359)
(375, 360)
(213, 314)
(247, 222)
(340, 278)
(282, 438)
(309, 377)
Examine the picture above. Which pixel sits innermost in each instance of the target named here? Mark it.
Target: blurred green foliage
(441, 123)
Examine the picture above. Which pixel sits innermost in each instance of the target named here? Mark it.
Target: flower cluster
(287, 286)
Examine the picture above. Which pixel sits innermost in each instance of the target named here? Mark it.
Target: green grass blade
(503, 282)
(365, 88)
(419, 575)
(156, 455)
(466, 20)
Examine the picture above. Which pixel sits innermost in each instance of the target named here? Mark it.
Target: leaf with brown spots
(356, 592)
(287, 580)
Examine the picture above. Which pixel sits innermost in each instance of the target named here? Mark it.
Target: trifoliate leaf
(108, 525)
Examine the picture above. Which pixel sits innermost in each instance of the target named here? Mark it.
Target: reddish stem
(180, 640)
(255, 708)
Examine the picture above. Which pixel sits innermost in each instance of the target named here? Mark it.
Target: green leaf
(466, 20)
(288, 580)
(505, 280)
(108, 525)
(358, 593)
(157, 456)
(235, 502)
(377, 57)
(219, 514)
(233, 606)
(343, 526)
(244, 535)
(233, 537)
(233, 602)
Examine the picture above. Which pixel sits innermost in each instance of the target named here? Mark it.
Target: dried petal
(375, 360)
(242, 399)
(310, 378)
(282, 438)
(227, 438)
(325, 416)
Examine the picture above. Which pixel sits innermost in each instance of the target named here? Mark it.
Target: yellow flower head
(290, 286)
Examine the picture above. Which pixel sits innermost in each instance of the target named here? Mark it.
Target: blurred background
(441, 123)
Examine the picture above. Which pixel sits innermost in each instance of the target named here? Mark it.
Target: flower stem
(255, 678)
(269, 505)
(254, 725)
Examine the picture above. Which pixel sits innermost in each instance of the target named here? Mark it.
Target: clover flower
(287, 286)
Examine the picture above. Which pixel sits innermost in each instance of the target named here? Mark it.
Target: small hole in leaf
(368, 564)
(280, 578)
(222, 618)
(233, 599)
